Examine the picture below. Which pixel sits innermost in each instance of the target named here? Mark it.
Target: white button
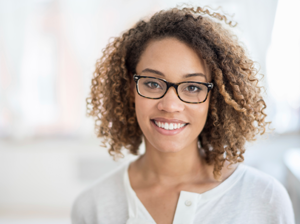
(188, 203)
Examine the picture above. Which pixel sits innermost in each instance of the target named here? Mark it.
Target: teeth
(169, 126)
(166, 126)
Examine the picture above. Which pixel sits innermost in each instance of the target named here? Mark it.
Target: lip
(161, 119)
(167, 132)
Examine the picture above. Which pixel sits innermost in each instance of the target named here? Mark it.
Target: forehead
(171, 56)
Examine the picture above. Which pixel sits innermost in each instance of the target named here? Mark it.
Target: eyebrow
(184, 76)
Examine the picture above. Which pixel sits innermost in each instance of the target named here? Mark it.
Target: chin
(168, 150)
(168, 147)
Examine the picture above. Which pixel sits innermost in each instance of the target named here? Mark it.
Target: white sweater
(247, 196)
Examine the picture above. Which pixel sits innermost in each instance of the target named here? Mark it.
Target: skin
(171, 163)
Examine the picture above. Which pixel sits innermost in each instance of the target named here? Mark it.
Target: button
(188, 203)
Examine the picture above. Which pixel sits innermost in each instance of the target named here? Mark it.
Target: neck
(169, 168)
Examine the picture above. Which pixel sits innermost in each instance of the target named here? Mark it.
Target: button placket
(186, 208)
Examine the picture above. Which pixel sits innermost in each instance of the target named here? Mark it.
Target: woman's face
(171, 60)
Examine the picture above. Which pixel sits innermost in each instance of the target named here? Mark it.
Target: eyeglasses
(188, 92)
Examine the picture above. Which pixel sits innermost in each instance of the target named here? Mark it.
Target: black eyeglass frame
(170, 84)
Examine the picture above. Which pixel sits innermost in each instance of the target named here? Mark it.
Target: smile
(169, 126)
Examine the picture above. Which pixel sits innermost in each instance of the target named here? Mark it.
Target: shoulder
(266, 195)
(263, 184)
(107, 192)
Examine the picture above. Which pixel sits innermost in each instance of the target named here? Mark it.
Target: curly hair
(236, 110)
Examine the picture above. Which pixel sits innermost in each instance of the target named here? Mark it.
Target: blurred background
(48, 49)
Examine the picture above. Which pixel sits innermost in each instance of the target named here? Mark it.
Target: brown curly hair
(236, 110)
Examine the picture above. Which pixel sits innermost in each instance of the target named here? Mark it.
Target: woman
(183, 82)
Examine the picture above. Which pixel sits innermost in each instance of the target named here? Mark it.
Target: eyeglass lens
(189, 92)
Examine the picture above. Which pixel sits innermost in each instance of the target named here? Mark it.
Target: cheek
(140, 104)
(199, 115)
(143, 108)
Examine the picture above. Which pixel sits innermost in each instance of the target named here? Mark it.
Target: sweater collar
(138, 214)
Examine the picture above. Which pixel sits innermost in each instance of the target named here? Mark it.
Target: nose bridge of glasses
(169, 85)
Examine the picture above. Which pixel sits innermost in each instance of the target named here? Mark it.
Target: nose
(170, 102)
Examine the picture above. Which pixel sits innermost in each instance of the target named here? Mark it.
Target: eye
(193, 88)
(152, 85)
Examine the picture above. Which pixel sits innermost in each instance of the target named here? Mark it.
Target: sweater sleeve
(76, 215)
(280, 205)
(82, 209)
